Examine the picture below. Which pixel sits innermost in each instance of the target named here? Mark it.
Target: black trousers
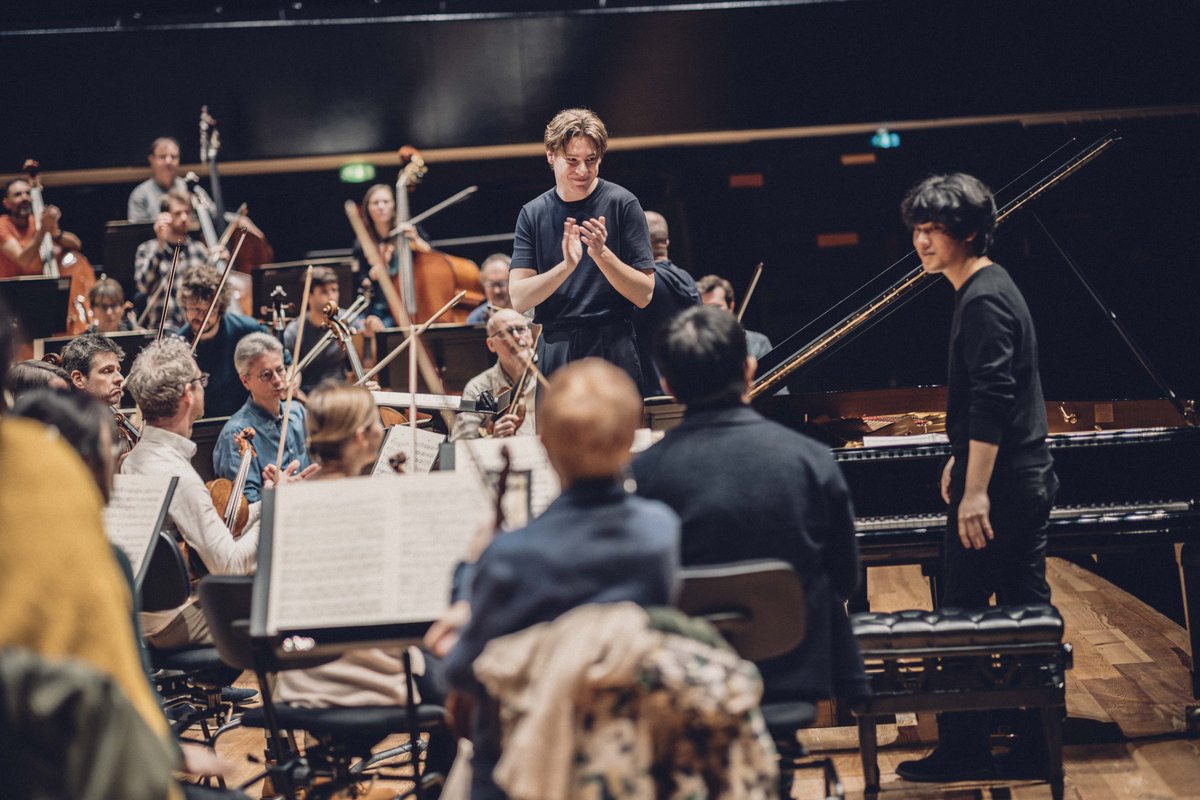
(615, 342)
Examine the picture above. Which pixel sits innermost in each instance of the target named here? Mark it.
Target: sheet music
(369, 551)
(134, 512)
(644, 438)
(426, 401)
(910, 441)
(527, 453)
(399, 440)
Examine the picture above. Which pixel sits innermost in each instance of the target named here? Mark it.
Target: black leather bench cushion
(366, 725)
(956, 627)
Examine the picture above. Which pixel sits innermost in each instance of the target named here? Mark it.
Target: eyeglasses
(494, 284)
(513, 330)
(202, 379)
(267, 375)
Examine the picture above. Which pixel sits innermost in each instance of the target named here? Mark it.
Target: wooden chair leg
(868, 749)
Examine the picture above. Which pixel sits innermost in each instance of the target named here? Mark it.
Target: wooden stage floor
(1127, 695)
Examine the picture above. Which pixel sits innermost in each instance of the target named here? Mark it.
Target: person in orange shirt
(20, 237)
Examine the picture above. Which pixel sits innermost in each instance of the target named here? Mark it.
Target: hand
(572, 247)
(505, 426)
(162, 229)
(974, 527)
(372, 324)
(595, 234)
(271, 474)
(443, 634)
(946, 480)
(371, 385)
(50, 217)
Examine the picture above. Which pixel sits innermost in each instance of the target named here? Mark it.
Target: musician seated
(493, 276)
(718, 292)
(107, 300)
(169, 388)
(378, 212)
(747, 488)
(594, 544)
(34, 374)
(674, 290)
(259, 362)
(511, 339)
(21, 236)
(93, 363)
(153, 259)
(332, 362)
(197, 288)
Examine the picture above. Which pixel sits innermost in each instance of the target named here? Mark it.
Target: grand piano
(1129, 469)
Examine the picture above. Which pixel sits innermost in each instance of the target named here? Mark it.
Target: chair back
(166, 585)
(225, 600)
(758, 606)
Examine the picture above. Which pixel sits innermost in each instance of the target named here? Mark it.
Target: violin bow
(162, 320)
(217, 296)
(292, 373)
(398, 349)
(235, 224)
(750, 291)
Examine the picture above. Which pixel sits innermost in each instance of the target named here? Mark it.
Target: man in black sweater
(748, 488)
(999, 481)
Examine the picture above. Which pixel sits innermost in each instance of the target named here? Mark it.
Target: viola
(229, 495)
(341, 333)
(66, 263)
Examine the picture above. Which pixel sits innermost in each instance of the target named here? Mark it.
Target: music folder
(357, 562)
(121, 241)
(39, 302)
(136, 512)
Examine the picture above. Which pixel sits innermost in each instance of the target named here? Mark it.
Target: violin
(277, 311)
(513, 399)
(126, 430)
(229, 496)
(427, 281)
(68, 263)
(341, 333)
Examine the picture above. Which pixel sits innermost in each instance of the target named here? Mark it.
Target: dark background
(89, 85)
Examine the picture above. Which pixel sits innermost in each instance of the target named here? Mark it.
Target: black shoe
(943, 766)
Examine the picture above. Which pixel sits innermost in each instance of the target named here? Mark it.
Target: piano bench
(954, 659)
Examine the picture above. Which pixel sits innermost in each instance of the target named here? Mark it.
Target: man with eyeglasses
(493, 276)
(218, 340)
(169, 388)
(511, 339)
(259, 363)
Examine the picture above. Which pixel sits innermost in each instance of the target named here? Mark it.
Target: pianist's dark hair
(701, 351)
(960, 202)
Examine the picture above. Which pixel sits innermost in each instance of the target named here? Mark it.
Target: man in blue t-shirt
(582, 253)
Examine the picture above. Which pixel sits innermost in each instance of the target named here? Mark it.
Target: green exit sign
(357, 173)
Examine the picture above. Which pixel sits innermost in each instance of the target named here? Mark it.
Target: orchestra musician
(21, 236)
(153, 259)
(146, 198)
(582, 253)
(109, 312)
(767, 492)
(169, 388)
(999, 482)
(378, 211)
(511, 339)
(332, 361)
(493, 276)
(218, 342)
(674, 290)
(718, 292)
(594, 543)
(36, 374)
(93, 363)
(258, 360)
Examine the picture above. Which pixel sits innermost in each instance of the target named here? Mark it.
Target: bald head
(660, 238)
(588, 416)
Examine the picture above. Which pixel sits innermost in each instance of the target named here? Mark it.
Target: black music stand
(459, 351)
(121, 241)
(290, 275)
(40, 303)
(138, 550)
(205, 433)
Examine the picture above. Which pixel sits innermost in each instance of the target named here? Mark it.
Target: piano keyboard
(1114, 511)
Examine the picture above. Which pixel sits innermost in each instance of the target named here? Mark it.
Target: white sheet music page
(399, 440)
(132, 514)
(527, 453)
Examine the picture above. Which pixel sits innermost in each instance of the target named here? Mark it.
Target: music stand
(290, 275)
(205, 433)
(135, 513)
(459, 351)
(121, 241)
(40, 303)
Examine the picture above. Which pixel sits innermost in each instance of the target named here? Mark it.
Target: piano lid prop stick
(390, 357)
(217, 296)
(750, 292)
(399, 313)
(292, 373)
(162, 321)
(429, 212)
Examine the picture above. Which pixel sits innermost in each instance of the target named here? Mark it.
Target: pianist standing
(999, 482)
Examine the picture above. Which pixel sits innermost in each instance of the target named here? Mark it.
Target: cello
(68, 263)
(427, 281)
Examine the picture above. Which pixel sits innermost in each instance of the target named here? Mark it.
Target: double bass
(427, 281)
(67, 263)
(257, 249)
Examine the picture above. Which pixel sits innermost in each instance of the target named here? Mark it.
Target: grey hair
(158, 377)
(251, 347)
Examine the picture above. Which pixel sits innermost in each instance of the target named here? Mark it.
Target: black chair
(758, 606)
(345, 736)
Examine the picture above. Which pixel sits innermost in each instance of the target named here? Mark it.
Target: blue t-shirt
(225, 393)
(586, 293)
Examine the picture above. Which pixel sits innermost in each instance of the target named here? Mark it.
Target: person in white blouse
(168, 387)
